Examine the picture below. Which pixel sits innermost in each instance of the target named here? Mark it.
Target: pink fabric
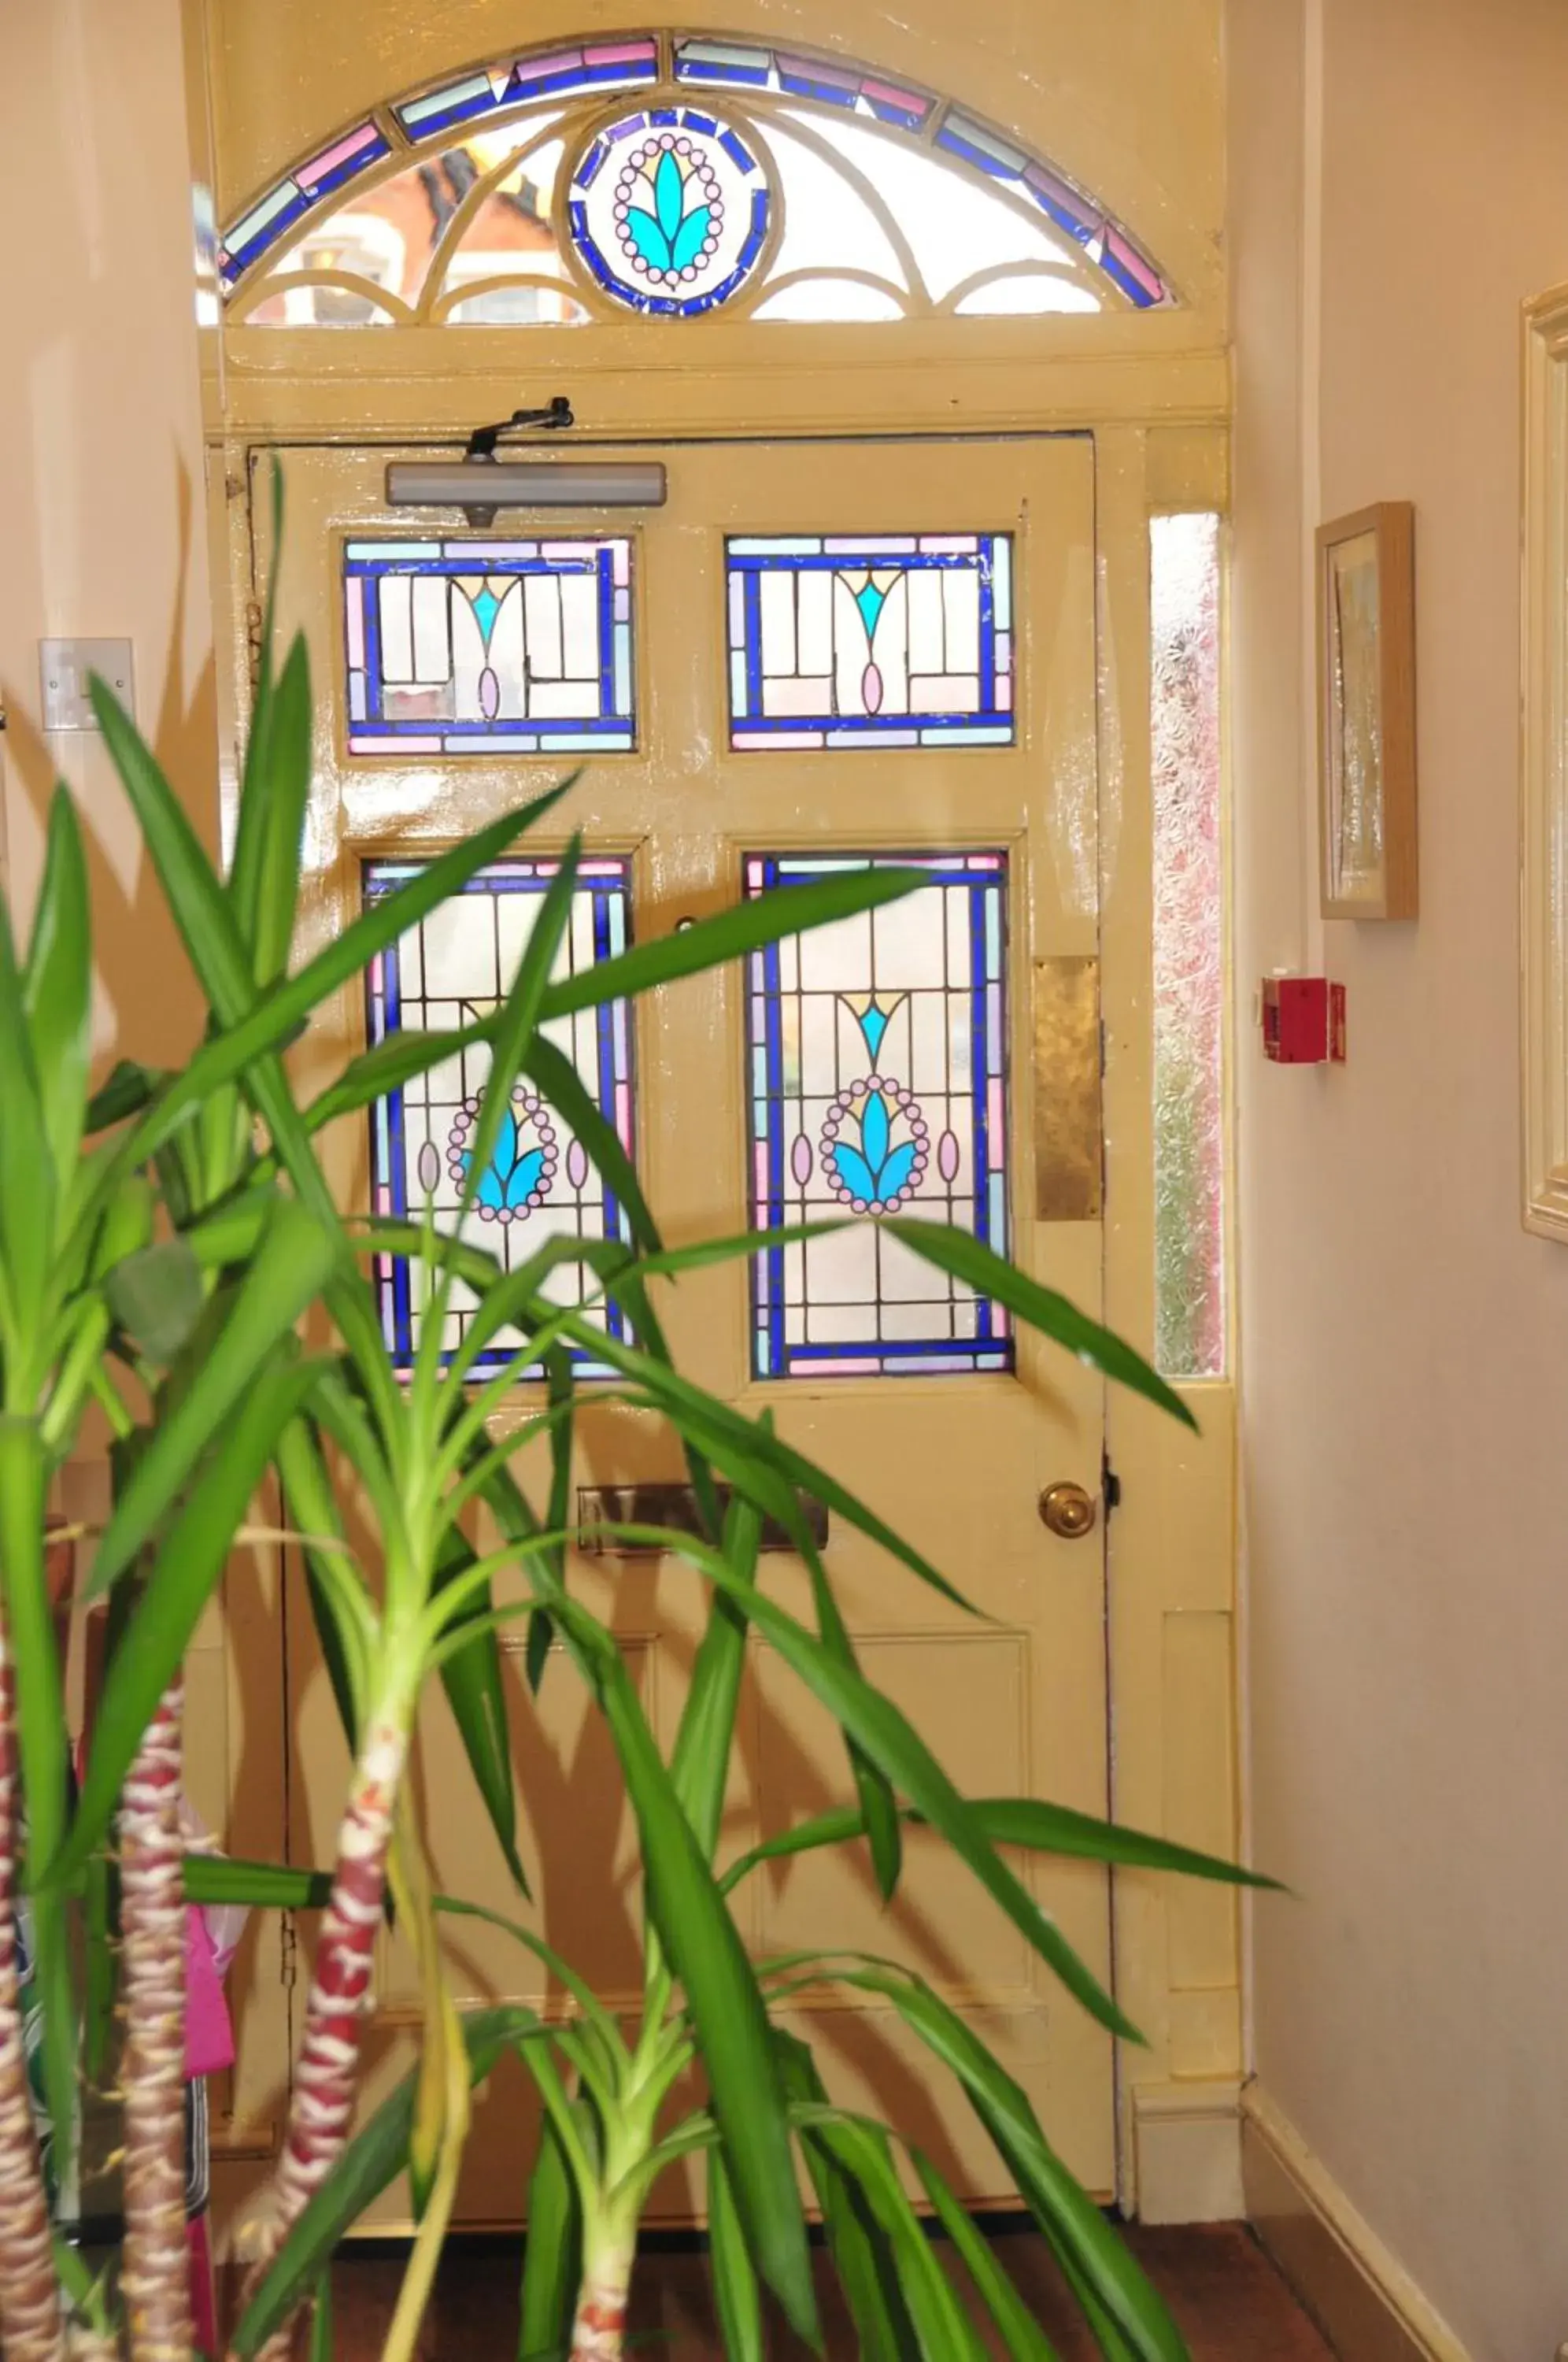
(209, 2036)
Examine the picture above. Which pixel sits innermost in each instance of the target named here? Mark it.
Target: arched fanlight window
(662, 176)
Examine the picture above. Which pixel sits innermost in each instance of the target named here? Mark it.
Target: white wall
(100, 446)
(1400, 182)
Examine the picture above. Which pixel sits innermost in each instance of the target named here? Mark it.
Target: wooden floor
(1226, 2297)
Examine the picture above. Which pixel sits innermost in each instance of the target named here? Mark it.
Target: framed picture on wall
(1366, 712)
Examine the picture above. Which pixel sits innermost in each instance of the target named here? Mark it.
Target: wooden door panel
(1012, 1698)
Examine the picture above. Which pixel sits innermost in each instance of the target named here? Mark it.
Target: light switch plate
(64, 666)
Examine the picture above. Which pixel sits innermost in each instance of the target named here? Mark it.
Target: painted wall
(100, 449)
(1400, 182)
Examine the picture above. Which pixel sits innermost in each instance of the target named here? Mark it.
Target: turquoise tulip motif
(874, 1146)
(520, 1171)
(668, 209)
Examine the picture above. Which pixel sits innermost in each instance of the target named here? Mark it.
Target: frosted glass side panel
(879, 1086)
(1188, 949)
(447, 973)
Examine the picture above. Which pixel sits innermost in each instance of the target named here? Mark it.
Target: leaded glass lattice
(1188, 948)
(965, 220)
(871, 640)
(488, 647)
(444, 973)
(877, 1055)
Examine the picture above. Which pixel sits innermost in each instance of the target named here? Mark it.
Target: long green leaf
(472, 1677)
(742, 1452)
(705, 1744)
(1065, 2211)
(252, 832)
(372, 2161)
(729, 935)
(552, 2252)
(257, 1028)
(283, 792)
(944, 2328)
(563, 1086)
(58, 989)
(706, 1953)
(1025, 1821)
(862, 2254)
(188, 1565)
(130, 1088)
(893, 1745)
(343, 1620)
(44, 1749)
(879, 1807)
(291, 1266)
(26, 1183)
(737, 2298)
(962, 1257)
(1020, 2333)
(387, 1066)
(518, 1017)
(215, 1878)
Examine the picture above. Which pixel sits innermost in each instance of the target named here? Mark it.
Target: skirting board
(1188, 2151)
(1365, 2303)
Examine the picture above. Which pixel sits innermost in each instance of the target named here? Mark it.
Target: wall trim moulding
(1189, 2135)
(1543, 762)
(1366, 2302)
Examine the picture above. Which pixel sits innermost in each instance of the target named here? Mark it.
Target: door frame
(1155, 396)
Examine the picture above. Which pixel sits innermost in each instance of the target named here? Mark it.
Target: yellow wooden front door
(923, 1401)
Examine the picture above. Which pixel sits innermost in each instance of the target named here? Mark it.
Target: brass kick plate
(1068, 1098)
(674, 1506)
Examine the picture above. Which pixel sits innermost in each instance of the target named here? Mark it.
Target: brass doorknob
(1069, 1511)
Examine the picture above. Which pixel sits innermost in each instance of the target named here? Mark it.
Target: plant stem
(32, 2327)
(326, 2072)
(156, 2280)
(599, 2328)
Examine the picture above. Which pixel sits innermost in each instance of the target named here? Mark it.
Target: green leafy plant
(184, 1233)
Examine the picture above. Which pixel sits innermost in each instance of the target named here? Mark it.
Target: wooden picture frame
(1366, 713)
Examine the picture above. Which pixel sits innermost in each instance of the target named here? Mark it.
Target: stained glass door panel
(880, 1072)
(539, 1184)
(879, 1083)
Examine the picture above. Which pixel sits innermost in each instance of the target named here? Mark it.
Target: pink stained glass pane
(1188, 949)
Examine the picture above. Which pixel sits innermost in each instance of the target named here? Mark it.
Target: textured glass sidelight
(451, 970)
(1188, 949)
(488, 647)
(871, 640)
(877, 1055)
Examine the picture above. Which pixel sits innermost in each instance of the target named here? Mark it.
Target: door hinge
(1109, 1485)
(254, 621)
(287, 1950)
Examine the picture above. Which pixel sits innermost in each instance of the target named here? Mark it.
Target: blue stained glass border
(639, 299)
(633, 60)
(773, 1354)
(613, 730)
(608, 883)
(993, 722)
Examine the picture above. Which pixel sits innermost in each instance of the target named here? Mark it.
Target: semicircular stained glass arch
(659, 175)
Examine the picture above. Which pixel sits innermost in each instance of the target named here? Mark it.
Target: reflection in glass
(1188, 948)
(879, 1086)
(483, 647)
(451, 971)
(1354, 723)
